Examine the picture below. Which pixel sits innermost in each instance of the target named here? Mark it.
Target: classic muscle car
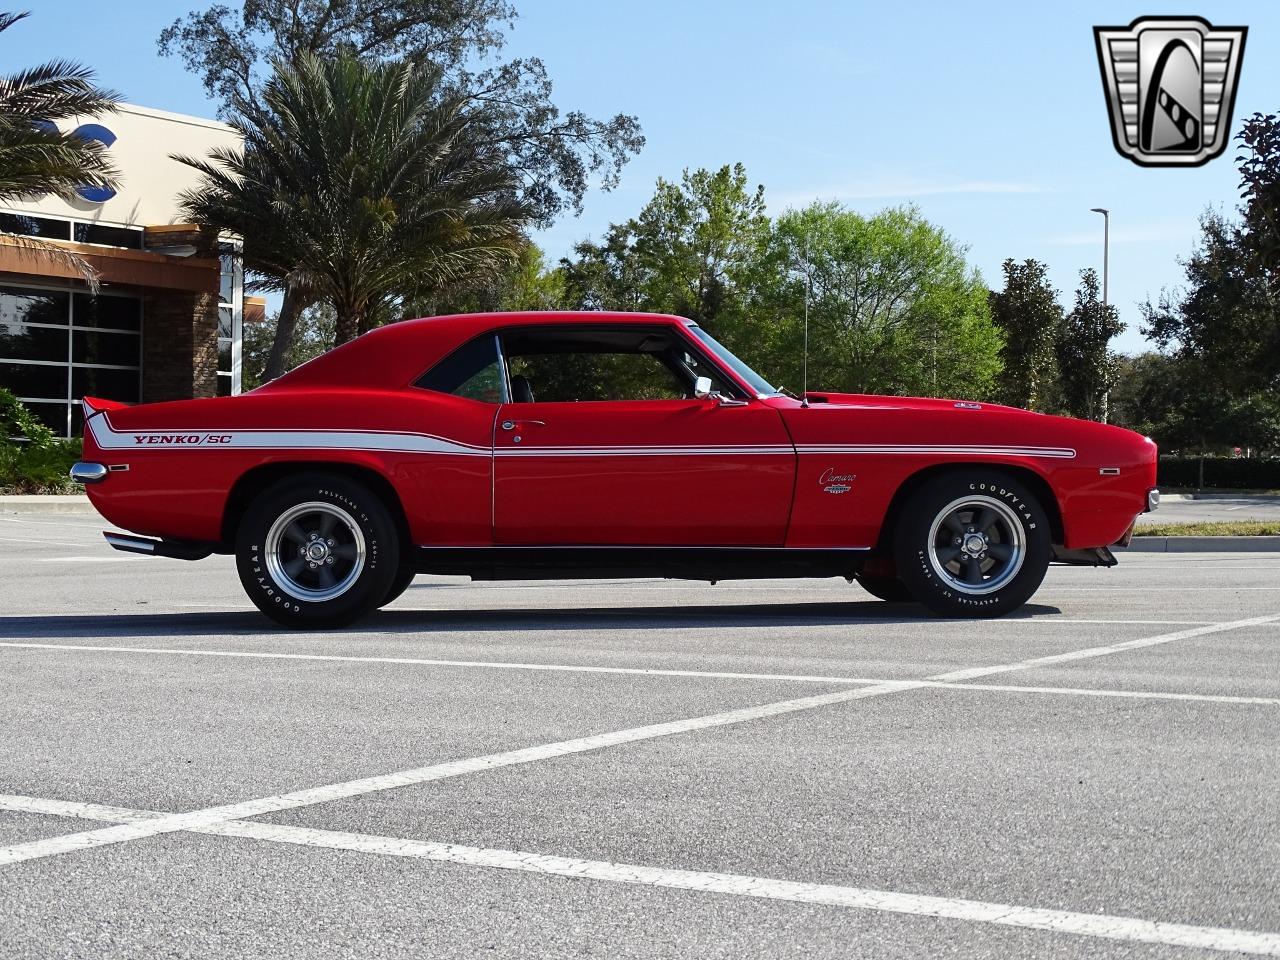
(557, 445)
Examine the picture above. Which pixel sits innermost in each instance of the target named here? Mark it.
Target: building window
(26, 225)
(230, 318)
(57, 345)
(81, 231)
(108, 236)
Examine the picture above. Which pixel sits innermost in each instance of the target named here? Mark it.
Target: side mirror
(702, 388)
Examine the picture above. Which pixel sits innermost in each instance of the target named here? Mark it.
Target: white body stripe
(108, 438)
(909, 449)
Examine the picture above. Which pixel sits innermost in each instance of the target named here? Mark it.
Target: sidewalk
(1201, 545)
(66, 503)
(1220, 495)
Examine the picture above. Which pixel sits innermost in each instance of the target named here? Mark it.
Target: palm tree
(35, 157)
(361, 184)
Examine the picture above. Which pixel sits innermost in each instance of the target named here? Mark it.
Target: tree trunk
(347, 325)
(290, 309)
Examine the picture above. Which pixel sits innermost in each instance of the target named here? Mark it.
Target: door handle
(512, 424)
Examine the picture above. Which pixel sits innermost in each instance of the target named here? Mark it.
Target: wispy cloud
(1176, 233)
(904, 190)
(829, 59)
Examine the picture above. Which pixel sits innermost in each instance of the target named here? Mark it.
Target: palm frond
(50, 252)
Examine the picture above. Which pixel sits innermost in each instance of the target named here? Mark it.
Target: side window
(471, 371)
(564, 365)
(562, 377)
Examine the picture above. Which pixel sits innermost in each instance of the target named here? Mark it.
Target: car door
(620, 469)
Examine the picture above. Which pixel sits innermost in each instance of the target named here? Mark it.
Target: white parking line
(1128, 929)
(52, 523)
(106, 559)
(52, 543)
(1092, 652)
(649, 672)
(36, 849)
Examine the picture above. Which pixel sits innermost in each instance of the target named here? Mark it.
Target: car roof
(394, 355)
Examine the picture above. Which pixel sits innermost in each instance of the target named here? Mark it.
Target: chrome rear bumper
(86, 473)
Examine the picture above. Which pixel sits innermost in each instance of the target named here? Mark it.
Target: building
(166, 321)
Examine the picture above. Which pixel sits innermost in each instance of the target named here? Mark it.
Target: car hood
(866, 419)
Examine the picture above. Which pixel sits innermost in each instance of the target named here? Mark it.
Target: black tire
(885, 588)
(404, 577)
(973, 542)
(316, 551)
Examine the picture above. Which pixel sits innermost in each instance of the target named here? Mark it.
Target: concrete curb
(1242, 495)
(69, 503)
(1203, 545)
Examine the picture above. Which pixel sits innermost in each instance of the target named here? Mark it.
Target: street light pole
(1106, 247)
(1106, 258)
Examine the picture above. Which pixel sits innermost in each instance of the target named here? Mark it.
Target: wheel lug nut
(329, 542)
(328, 559)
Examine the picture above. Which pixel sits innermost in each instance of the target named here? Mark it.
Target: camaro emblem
(837, 483)
(1170, 84)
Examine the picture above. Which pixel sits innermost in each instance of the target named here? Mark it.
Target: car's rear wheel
(973, 543)
(404, 577)
(885, 588)
(317, 551)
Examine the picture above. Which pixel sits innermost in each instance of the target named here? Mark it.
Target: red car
(554, 445)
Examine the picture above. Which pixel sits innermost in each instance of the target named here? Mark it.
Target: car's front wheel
(973, 543)
(317, 551)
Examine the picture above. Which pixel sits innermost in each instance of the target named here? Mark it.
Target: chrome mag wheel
(314, 551)
(976, 544)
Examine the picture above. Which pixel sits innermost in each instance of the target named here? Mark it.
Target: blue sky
(989, 117)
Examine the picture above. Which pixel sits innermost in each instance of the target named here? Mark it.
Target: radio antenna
(808, 290)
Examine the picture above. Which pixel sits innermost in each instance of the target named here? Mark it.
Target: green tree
(36, 156)
(1260, 190)
(398, 198)
(554, 154)
(1086, 366)
(1029, 315)
(313, 335)
(529, 283)
(1227, 315)
(685, 253)
(893, 307)
(1188, 411)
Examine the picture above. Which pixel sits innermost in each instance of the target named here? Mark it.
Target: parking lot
(635, 768)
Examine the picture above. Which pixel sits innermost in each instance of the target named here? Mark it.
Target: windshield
(758, 384)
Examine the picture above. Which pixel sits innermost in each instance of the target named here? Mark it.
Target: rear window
(472, 371)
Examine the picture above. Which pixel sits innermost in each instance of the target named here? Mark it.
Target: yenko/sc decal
(1170, 84)
(181, 439)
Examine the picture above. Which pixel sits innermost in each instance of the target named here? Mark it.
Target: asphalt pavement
(640, 768)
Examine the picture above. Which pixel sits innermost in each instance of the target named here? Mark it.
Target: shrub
(1230, 473)
(33, 459)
